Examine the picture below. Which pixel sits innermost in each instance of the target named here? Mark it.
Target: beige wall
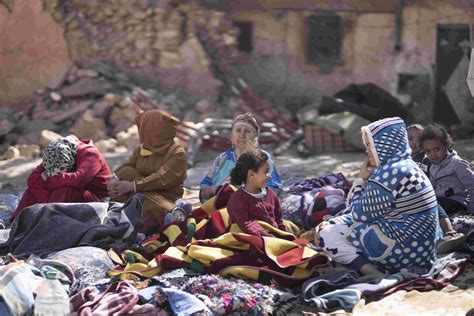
(368, 42)
(32, 50)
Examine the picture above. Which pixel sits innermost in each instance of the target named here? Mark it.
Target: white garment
(335, 245)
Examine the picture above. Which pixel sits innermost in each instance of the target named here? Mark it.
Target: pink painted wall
(33, 52)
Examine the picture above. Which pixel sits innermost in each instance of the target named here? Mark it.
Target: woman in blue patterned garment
(245, 130)
(393, 222)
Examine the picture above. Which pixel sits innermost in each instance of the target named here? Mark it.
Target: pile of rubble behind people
(94, 103)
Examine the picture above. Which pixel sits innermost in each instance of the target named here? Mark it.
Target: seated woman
(245, 130)
(393, 222)
(72, 171)
(157, 168)
(253, 201)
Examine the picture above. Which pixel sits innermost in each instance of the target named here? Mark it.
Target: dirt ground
(452, 300)
(14, 172)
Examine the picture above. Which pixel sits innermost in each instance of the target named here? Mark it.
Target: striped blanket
(208, 243)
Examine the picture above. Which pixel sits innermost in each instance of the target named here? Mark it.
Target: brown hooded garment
(158, 166)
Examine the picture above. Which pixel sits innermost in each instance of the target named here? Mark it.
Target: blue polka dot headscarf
(388, 138)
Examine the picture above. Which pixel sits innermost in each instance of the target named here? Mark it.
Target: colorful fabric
(228, 295)
(245, 210)
(326, 201)
(308, 208)
(321, 139)
(229, 252)
(119, 298)
(446, 271)
(292, 206)
(17, 285)
(335, 180)
(41, 266)
(225, 162)
(158, 167)
(86, 183)
(88, 264)
(60, 156)
(394, 218)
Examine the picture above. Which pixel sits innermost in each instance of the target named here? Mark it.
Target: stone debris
(29, 151)
(119, 50)
(88, 104)
(11, 153)
(47, 137)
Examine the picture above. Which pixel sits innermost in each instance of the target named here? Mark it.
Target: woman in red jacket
(72, 171)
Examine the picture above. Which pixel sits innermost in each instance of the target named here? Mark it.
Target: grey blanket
(44, 228)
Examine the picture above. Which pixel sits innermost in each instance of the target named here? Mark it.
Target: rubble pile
(119, 49)
(122, 49)
(94, 103)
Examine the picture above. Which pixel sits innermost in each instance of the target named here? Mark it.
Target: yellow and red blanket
(208, 243)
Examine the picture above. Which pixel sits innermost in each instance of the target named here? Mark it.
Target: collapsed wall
(162, 40)
(173, 52)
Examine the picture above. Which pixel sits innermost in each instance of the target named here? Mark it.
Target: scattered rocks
(47, 137)
(106, 145)
(11, 153)
(56, 97)
(29, 151)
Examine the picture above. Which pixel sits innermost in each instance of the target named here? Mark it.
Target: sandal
(450, 241)
(452, 234)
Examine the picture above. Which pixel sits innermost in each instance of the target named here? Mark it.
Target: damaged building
(293, 53)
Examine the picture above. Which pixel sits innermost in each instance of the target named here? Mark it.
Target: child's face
(435, 150)
(413, 135)
(259, 179)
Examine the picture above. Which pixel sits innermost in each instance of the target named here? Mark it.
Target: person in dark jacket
(451, 176)
(72, 170)
(418, 155)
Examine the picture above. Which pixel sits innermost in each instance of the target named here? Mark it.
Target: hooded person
(393, 223)
(157, 168)
(72, 170)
